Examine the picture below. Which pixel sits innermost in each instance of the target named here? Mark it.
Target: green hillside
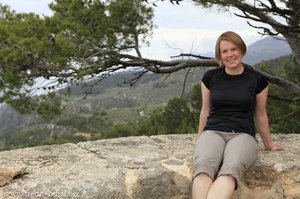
(111, 102)
(151, 92)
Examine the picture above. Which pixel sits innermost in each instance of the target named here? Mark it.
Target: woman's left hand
(275, 147)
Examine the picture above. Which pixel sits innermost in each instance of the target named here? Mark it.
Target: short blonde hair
(233, 38)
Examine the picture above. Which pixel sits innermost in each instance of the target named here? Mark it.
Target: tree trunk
(293, 40)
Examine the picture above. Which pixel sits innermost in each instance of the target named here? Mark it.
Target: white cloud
(191, 29)
(35, 6)
(168, 42)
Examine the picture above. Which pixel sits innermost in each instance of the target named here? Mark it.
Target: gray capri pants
(221, 153)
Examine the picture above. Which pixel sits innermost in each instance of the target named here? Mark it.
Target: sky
(179, 28)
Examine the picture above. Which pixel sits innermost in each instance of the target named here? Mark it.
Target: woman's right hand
(194, 140)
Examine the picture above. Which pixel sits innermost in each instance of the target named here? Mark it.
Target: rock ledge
(140, 167)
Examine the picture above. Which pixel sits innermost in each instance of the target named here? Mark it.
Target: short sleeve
(207, 77)
(262, 84)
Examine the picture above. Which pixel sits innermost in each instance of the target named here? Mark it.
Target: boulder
(7, 175)
(140, 167)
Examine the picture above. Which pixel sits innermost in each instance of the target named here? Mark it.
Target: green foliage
(25, 139)
(92, 123)
(18, 39)
(177, 117)
(153, 125)
(121, 130)
(284, 112)
(291, 69)
(196, 102)
(36, 137)
(82, 38)
(49, 106)
(23, 104)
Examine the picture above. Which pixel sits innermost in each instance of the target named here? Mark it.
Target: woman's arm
(205, 107)
(262, 121)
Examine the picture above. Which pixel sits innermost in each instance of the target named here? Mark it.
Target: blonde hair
(233, 38)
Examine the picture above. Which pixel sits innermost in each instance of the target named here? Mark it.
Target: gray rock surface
(140, 168)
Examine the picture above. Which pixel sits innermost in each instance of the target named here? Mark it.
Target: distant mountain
(263, 50)
(267, 49)
(10, 120)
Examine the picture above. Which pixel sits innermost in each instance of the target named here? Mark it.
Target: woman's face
(231, 55)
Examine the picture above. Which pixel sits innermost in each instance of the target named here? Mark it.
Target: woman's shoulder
(208, 76)
(252, 71)
(260, 79)
(213, 71)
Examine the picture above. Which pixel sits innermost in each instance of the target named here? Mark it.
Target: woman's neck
(235, 71)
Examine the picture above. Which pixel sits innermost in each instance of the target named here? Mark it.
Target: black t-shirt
(232, 99)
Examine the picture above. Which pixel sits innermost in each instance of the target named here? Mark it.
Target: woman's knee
(203, 177)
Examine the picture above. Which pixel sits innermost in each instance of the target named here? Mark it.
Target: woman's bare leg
(201, 186)
(222, 188)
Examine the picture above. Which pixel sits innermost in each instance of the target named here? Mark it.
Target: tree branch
(286, 115)
(184, 82)
(158, 66)
(191, 55)
(137, 77)
(294, 88)
(261, 15)
(284, 99)
(266, 31)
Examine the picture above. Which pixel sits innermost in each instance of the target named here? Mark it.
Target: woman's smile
(231, 57)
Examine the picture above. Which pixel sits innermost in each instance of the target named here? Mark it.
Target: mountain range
(266, 49)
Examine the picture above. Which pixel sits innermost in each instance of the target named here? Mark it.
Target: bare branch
(261, 15)
(161, 67)
(284, 99)
(136, 47)
(166, 77)
(283, 83)
(191, 55)
(184, 82)
(266, 31)
(286, 115)
(273, 4)
(157, 66)
(138, 75)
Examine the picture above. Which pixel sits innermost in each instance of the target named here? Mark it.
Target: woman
(233, 95)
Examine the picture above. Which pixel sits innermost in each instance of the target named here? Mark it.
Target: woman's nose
(230, 53)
